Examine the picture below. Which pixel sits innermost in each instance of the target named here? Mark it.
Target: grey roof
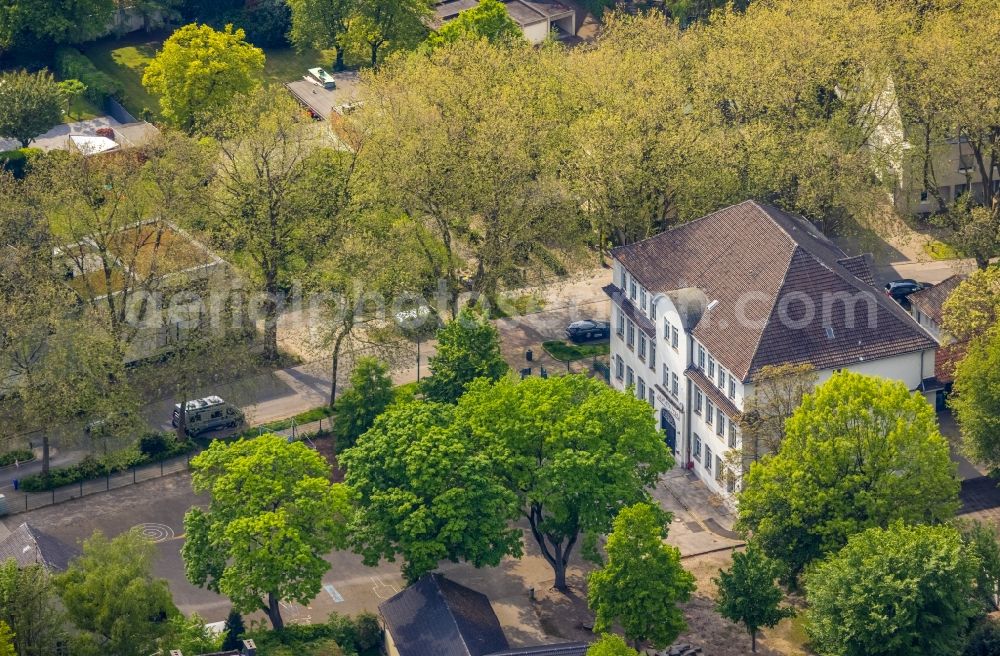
(522, 12)
(29, 546)
(563, 649)
(763, 266)
(438, 617)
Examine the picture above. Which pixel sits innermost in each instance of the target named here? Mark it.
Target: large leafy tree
(53, 21)
(610, 644)
(859, 452)
(30, 608)
(370, 394)
(428, 493)
(111, 595)
(574, 451)
(6, 640)
(272, 516)
(468, 348)
(643, 580)
(748, 593)
(488, 20)
(892, 592)
(974, 306)
(389, 24)
(30, 104)
(976, 399)
(200, 70)
(322, 24)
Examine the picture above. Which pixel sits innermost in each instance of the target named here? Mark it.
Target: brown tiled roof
(714, 394)
(931, 300)
(860, 267)
(947, 358)
(759, 267)
(621, 299)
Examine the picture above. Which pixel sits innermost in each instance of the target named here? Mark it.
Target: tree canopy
(427, 492)
(369, 395)
(643, 581)
(468, 348)
(30, 608)
(30, 105)
(974, 305)
(272, 516)
(487, 20)
(574, 451)
(859, 452)
(976, 399)
(610, 644)
(200, 70)
(892, 592)
(748, 593)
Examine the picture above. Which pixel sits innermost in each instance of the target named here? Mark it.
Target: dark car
(900, 289)
(583, 331)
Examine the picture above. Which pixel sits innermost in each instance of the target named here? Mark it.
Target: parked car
(322, 78)
(900, 289)
(208, 414)
(588, 329)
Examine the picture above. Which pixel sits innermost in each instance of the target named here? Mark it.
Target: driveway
(55, 139)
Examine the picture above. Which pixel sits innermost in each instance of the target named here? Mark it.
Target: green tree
(71, 91)
(30, 608)
(984, 639)
(892, 592)
(974, 305)
(6, 640)
(322, 25)
(468, 348)
(110, 594)
(981, 540)
(976, 399)
(488, 20)
(427, 493)
(370, 394)
(30, 104)
(234, 631)
(643, 580)
(610, 644)
(748, 594)
(52, 21)
(200, 70)
(859, 452)
(272, 516)
(392, 24)
(573, 450)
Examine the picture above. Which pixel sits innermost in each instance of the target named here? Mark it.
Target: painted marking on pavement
(332, 591)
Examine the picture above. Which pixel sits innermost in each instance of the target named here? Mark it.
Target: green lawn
(939, 250)
(564, 352)
(82, 110)
(126, 60)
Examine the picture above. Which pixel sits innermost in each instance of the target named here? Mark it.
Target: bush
(154, 444)
(339, 634)
(73, 64)
(17, 161)
(17, 455)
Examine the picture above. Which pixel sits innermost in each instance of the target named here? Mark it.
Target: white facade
(695, 399)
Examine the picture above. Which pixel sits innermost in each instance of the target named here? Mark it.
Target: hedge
(17, 455)
(153, 448)
(16, 161)
(73, 64)
(361, 635)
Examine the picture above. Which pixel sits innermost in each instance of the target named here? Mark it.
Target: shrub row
(354, 635)
(153, 447)
(17, 455)
(73, 64)
(16, 161)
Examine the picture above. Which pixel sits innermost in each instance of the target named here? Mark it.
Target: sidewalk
(701, 524)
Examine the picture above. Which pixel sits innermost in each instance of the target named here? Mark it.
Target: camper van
(208, 414)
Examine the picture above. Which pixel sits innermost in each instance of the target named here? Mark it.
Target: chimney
(249, 648)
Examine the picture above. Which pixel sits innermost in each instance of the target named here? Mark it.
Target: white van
(208, 414)
(322, 78)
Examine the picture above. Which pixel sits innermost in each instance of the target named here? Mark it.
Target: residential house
(438, 617)
(927, 307)
(536, 18)
(698, 310)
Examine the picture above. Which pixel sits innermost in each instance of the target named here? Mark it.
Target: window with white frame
(650, 399)
(722, 378)
(666, 376)
(652, 355)
(701, 357)
(697, 401)
(629, 377)
(673, 337)
(624, 279)
(674, 384)
(619, 367)
(621, 323)
(720, 422)
(732, 434)
(666, 329)
(730, 482)
(641, 389)
(719, 469)
(708, 459)
(697, 447)
(642, 345)
(709, 412)
(732, 387)
(652, 308)
(642, 299)
(632, 289)
(630, 338)
(711, 367)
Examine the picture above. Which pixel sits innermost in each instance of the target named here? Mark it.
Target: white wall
(537, 32)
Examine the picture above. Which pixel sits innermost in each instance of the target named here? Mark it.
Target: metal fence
(23, 502)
